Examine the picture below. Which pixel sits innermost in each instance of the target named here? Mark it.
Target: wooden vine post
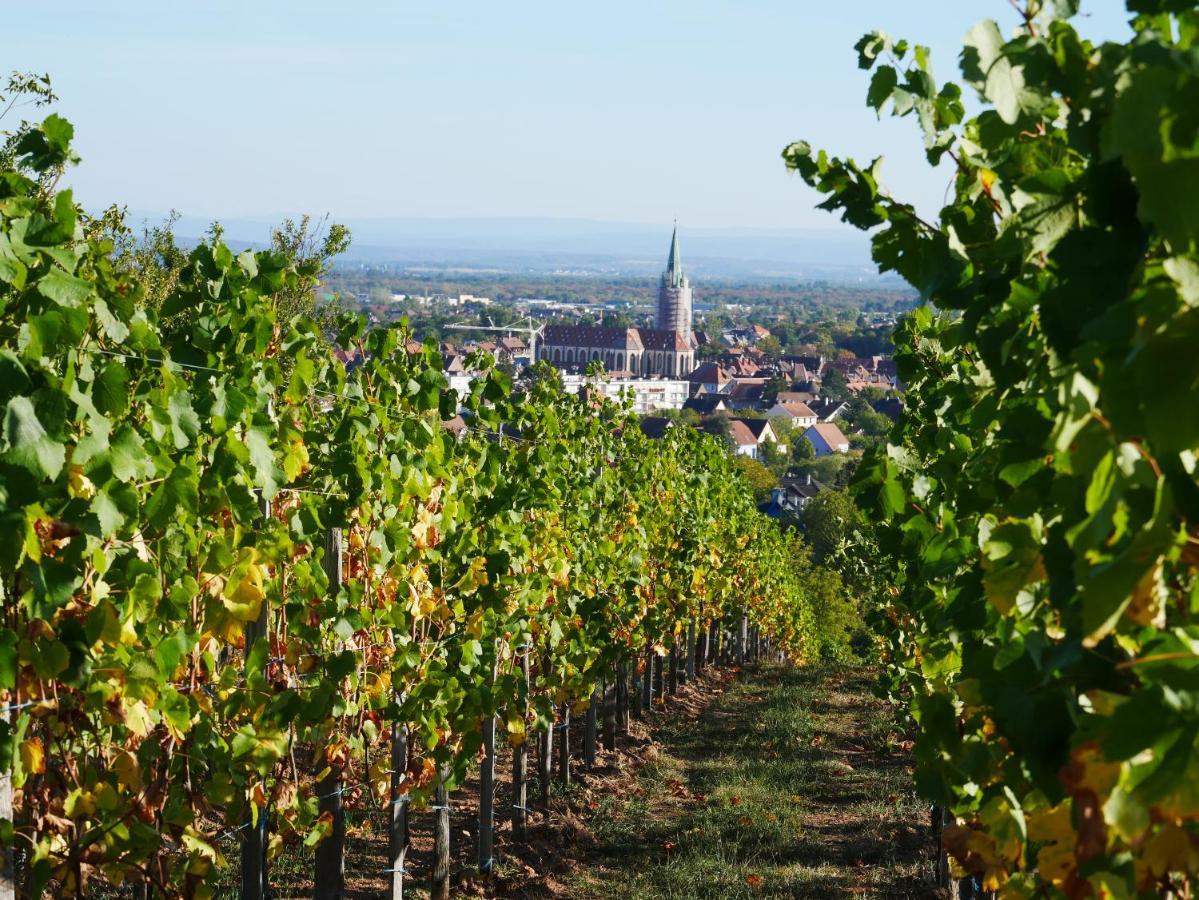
(691, 654)
(441, 838)
(623, 718)
(544, 758)
(254, 877)
(658, 682)
(564, 747)
(520, 768)
(398, 826)
(611, 693)
(487, 793)
(742, 638)
(329, 875)
(8, 878)
(590, 730)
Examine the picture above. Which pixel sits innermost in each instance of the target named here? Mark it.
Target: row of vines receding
(1036, 536)
(233, 565)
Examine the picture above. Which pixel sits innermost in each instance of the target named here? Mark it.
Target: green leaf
(882, 83)
(262, 458)
(985, 62)
(26, 442)
(63, 289)
(176, 498)
(185, 424)
(111, 392)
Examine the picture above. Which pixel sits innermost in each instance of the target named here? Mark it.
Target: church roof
(593, 336)
(663, 339)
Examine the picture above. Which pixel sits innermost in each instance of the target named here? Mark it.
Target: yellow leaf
(1148, 604)
(1171, 850)
(79, 485)
(128, 772)
(516, 730)
(137, 718)
(33, 756)
(474, 625)
(245, 600)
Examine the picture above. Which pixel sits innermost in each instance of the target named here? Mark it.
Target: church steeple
(674, 292)
(674, 262)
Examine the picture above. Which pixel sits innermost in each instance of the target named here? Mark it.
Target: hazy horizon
(629, 113)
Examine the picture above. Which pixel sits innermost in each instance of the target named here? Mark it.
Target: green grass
(805, 793)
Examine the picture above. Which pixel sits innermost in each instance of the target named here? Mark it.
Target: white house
(827, 438)
(748, 435)
(800, 414)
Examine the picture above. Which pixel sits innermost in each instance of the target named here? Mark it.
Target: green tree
(770, 345)
(828, 521)
(775, 458)
(759, 478)
(833, 384)
(802, 450)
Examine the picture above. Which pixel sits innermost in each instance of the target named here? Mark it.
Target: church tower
(674, 294)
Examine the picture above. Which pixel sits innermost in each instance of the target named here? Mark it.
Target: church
(666, 350)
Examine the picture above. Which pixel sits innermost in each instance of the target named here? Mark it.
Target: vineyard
(1035, 537)
(250, 580)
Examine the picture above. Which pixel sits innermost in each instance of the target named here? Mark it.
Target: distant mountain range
(578, 247)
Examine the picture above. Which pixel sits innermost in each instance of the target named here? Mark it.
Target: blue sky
(625, 110)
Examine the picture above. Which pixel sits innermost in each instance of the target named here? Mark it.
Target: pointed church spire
(674, 263)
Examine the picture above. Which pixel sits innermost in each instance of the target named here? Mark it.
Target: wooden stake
(590, 728)
(623, 720)
(647, 683)
(611, 702)
(441, 839)
(564, 748)
(487, 797)
(672, 679)
(254, 877)
(742, 639)
(398, 832)
(520, 769)
(8, 879)
(691, 652)
(544, 757)
(328, 881)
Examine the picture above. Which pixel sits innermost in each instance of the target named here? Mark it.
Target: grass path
(791, 783)
(777, 782)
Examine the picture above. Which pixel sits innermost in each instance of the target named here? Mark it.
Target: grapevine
(233, 564)
(1037, 507)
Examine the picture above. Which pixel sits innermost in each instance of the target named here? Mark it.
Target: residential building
(707, 404)
(826, 410)
(648, 395)
(799, 414)
(748, 435)
(827, 438)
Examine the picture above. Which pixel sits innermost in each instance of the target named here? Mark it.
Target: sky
(620, 111)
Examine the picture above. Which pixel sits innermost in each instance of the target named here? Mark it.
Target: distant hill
(580, 247)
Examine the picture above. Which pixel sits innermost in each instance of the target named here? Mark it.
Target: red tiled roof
(709, 373)
(797, 409)
(831, 433)
(741, 434)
